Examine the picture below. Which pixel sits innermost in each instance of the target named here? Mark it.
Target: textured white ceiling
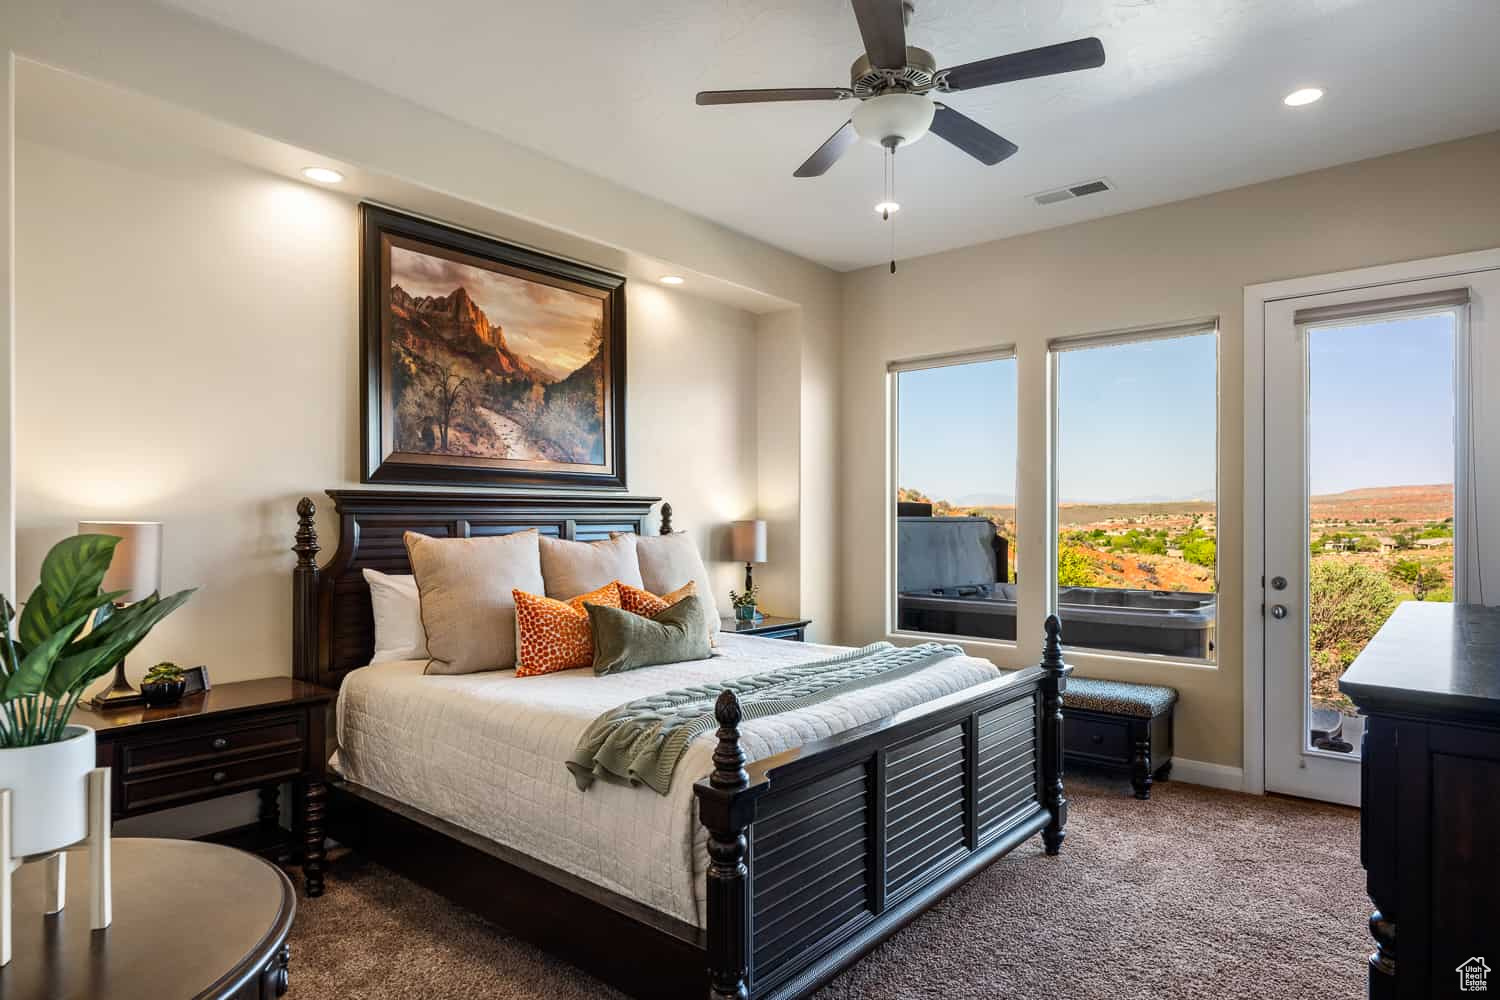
(1188, 103)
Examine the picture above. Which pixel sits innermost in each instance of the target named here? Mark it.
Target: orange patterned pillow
(644, 603)
(554, 635)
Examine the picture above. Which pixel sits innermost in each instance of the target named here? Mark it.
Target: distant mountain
(985, 500)
(1390, 492)
(458, 322)
(1204, 496)
(545, 368)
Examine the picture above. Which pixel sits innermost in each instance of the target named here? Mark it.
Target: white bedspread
(485, 751)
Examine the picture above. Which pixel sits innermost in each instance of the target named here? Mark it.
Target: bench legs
(1140, 768)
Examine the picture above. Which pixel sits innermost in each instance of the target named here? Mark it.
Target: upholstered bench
(1118, 725)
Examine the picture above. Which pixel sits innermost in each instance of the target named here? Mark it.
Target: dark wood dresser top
(224, 699)
(1431, 659)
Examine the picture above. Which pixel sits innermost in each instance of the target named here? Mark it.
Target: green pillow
(624, 640)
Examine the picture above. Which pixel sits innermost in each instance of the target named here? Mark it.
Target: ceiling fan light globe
(904, 118)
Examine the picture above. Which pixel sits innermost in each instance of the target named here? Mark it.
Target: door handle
(1278, 611)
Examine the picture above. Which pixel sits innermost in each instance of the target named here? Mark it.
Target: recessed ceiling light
(1298, 98)
(887, 207)
(322, 175)
(670, 279)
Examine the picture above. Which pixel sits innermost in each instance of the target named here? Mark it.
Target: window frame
(894, 369)
(1200, 326)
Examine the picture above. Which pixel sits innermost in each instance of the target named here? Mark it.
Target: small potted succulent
(745, 603)
(163, 685)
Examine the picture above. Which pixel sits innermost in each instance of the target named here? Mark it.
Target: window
(1136, 460)
(956, 496)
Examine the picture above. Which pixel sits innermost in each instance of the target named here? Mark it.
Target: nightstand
(231, 738)
(794, 629)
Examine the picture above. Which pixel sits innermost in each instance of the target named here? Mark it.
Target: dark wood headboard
(333, 629)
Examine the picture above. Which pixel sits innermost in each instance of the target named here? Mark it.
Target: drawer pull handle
(1097, 738)
(219, 777)
(220, 743)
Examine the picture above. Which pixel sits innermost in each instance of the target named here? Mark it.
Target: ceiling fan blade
(827, 155)
(882, 25)
(1085, 53)
(970, 136)
(777, 94)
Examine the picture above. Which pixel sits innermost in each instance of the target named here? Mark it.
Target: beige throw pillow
(468, 610)
(669, 561)
(572, 568)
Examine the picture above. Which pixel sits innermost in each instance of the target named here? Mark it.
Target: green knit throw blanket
(642, 741)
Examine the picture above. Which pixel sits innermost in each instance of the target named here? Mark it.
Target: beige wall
(266, 96)
(189, 354)
(1174, 262)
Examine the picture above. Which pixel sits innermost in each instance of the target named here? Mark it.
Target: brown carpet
(1197, 893)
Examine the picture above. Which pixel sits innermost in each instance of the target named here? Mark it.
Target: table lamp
(135, 569)
(747, 544)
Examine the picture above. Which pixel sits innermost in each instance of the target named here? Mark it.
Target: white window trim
(1253, 662)
(1109, 338)
(893, 445)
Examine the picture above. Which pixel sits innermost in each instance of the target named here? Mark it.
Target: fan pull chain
(890, 199)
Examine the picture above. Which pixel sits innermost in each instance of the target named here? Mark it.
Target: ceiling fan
(894, 83)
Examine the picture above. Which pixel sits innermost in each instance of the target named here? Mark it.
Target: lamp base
(119, 695)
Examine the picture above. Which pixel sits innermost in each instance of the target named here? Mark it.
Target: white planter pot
(49, 785)
(1354, 731)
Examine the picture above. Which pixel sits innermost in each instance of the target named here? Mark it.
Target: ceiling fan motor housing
(918, 75)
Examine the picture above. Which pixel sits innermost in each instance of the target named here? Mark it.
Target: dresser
(1429, 683)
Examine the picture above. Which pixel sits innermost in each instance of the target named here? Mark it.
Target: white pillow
(398, 617)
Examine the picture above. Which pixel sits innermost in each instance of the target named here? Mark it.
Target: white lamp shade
(747, 541)
(136, 567)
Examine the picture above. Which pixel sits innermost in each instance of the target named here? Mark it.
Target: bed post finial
(729, 759)
(305, 594)
(726, 806)
(1054, 682)
(666, 519)
(307, 535)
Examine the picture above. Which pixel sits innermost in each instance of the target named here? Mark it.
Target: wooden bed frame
(816, 855)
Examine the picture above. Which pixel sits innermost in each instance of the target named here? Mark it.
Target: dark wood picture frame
(381, 462)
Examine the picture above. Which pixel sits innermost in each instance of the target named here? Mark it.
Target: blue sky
(1381, 404)
(1138, 421)
(958, 430)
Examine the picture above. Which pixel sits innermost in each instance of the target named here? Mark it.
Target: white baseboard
(1197, 772)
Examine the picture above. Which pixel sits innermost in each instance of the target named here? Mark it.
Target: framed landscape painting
(487, 363)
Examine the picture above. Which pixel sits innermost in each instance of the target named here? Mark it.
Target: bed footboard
(818, 854)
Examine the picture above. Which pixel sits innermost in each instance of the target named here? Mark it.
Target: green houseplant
(163, 684)
(68, 634)
(745, 603)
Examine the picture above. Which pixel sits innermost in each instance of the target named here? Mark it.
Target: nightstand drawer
(210, 744)
(794, 634)
(1089, 737)
(213, 779)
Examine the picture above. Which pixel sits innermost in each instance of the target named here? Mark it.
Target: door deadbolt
(1278, 582)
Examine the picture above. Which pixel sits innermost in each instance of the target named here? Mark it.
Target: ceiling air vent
(1071, 192)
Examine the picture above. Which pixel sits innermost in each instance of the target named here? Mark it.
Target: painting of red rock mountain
(493, 367)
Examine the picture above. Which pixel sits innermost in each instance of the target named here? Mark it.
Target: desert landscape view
(1370, 550)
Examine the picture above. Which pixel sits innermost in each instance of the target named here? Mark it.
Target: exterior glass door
(1366, 430)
